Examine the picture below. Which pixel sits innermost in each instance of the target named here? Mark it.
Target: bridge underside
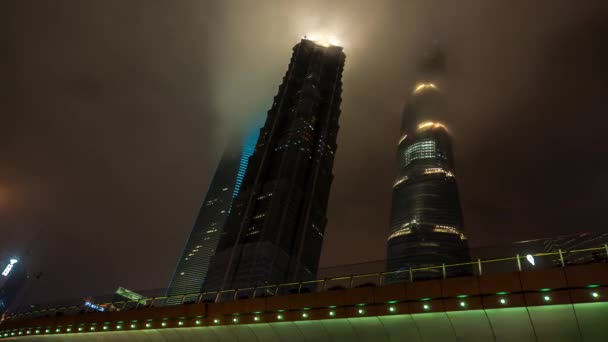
(571, 322)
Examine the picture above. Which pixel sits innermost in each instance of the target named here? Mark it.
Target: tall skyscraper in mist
(426, 225)
(276, 226)
(193, 264)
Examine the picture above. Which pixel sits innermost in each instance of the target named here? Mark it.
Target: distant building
(276, 226)
(125, 295)
(193, 264)
(426, 224)
(12, 281)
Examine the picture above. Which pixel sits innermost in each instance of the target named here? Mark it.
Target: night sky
(114, 114)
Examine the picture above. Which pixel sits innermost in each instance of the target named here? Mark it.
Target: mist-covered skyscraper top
(275, 229)
(192, 266)
(426, 224)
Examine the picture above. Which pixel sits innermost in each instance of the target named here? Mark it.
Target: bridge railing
(514, 263)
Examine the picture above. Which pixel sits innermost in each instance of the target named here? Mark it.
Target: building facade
(12, 281)
(275, 229)
(426, 224)
(193, 264)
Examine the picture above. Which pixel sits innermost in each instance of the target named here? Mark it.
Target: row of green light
(503, 300)
(280, 316)
(119, 326)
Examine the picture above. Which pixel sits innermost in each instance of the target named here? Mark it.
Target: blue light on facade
(251, 139)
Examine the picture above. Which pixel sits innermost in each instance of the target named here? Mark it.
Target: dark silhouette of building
(12, 281)
(276, 226)
(193, 264)
(426, 225)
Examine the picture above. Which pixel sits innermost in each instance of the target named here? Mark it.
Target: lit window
(446, 229)
(402, 231)
(421, 150)
(400, 180)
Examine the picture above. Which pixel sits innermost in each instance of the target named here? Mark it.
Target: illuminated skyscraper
(12, 280)
(192, 266)
(426, 225)
(275, 229)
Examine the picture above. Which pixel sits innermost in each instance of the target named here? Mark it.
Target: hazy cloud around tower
(115, 113)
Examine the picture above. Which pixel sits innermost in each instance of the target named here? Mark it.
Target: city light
(392, 309)
(361, 311)
(530, 259)
(431, 124)
(94, 306)
(216, 321)
(426, 307)
(595, 295)
(332, 313)
(546, 298)
(9, 267)
(279, 317)
(256, 318)
(503, 301)
(322, 40)
(463, 304)
(424, 86)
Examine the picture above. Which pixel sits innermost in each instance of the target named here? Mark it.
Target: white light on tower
(8, 267)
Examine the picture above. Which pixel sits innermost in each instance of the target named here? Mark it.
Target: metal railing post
(217, 296)
(443, 269)
(236, 292)
(606, 248)
(324, 286)
(561, 257)
(411, 276)
(198, 299)
(518, 263)
(479, 265)
(255, 288)
(299, 287)
(379, 279)
(350, 282)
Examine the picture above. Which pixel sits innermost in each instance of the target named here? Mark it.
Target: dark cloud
(114, 114)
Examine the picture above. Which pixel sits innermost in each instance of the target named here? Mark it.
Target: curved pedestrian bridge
(558, 304)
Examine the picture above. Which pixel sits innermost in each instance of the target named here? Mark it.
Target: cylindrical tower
(426, 225)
